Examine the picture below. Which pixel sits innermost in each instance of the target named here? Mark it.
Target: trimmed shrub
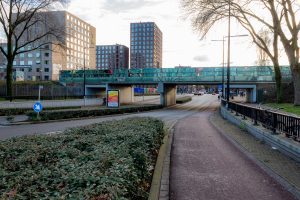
(110, 160)
(79, 113)
(22, 111)
(183, 99)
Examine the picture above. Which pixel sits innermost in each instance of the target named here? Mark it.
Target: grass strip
(286, 107)
(184, 99)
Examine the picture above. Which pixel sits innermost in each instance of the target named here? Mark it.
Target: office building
(112, 57)
(72, 49)
(145, 45)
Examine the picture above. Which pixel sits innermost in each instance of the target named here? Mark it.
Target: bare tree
(289, 34)
(26, 28)
(276, 16)
(262, 57)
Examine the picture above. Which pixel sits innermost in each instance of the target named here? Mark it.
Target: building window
(38, 62)
(21, 62)
(37, 55)
(29, 62)
(38, 70)
(29, 55)
(47, 54)
(46, 69)
(46, 78)
(46, 62)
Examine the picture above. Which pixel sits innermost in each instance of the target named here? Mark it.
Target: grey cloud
(201, 58)
(121, 6)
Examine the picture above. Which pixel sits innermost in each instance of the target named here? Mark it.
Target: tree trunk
(296, 80)
(278, 79)
(9, 70)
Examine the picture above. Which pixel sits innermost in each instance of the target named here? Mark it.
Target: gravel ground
(284, 167)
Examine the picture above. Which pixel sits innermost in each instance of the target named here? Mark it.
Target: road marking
(54, 133)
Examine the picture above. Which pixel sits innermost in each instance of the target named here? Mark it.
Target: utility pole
(228, 56)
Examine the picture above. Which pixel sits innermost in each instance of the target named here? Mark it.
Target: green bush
(111, 160)
(69, 114)
(183, 99)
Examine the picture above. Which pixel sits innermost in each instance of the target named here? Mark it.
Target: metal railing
(278, 123)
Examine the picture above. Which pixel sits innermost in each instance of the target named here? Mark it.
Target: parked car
(198, 93)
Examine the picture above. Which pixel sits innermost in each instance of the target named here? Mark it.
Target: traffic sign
(37, 107)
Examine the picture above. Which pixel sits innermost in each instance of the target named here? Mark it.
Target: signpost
(113, 98)
(37, 107)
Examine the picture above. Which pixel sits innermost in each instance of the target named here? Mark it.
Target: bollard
(255, 117)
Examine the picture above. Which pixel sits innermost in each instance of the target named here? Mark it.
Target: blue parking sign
(37, 107)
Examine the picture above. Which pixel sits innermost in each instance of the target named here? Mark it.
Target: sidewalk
(205, 165)
(268, 157)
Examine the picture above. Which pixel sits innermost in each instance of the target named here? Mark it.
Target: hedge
(110, 160)
(183, 99)
(79, 113)
(22, 111)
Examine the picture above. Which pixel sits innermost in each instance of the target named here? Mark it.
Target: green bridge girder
(247, 74)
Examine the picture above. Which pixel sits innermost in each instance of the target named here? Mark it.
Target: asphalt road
(170, 116)
(204, 165)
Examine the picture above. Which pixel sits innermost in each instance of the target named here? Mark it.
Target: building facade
(70, 50)
(145, 45)
(112, 57)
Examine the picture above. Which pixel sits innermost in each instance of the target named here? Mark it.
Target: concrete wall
(96, 90)
(126, 93)
(251, 95)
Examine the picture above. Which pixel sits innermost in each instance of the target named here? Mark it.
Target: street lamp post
(228, 55)
(223, 58)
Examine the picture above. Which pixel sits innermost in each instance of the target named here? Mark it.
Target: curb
(285, 184)
(160, 182)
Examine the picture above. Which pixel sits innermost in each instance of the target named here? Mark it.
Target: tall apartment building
(145, 45)
(71, 50)
(112, 57)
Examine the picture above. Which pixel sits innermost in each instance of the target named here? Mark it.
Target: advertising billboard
(113, 98)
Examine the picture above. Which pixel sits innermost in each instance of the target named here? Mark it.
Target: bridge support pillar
(250, 95)
(167, 94)
(126, 92)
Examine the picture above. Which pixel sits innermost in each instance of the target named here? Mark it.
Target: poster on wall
(113, 100)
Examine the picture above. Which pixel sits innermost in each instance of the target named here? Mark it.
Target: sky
(181, 45)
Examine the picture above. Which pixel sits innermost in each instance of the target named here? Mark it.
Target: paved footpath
(204, 165)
